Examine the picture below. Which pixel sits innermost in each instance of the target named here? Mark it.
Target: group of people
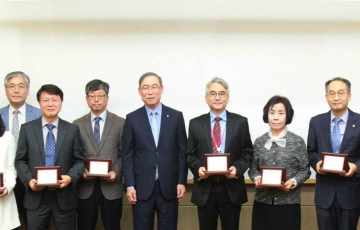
(151, 153)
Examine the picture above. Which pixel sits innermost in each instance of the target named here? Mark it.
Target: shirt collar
(102, 115)
(158, 110)
(344, 117)
(222, 116)
(22, 109)
(55, 123)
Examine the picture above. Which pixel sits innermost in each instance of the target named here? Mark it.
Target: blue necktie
(155, 131)
(97, 131)
(50, 147)
(335, 137)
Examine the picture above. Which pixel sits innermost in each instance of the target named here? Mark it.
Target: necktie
(97, 131)
(335, 137)
(50, 147)
(154, 129)
(216, 140)
(15, 126)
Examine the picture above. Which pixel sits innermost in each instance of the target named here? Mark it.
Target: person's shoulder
(321, 115)
(135, 112)
(262, 137)
(235, 116)
(115, 116)
(8, 136)
(4, 108)
(200, 118)
(170, 110)
(81, 119)
(294, 136)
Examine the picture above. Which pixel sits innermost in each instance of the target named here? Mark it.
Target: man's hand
(288, 184)
(5, 191)
(201, 173)
(87, 177)
(181, 190)
(32, 185)
(111, 178)
(352, 169)
(318, 166)
(131, 195)
(232, 173)
(65, 181)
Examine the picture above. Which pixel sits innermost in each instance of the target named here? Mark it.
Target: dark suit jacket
(346, 189)
(110, 148)
(68, 154)
(31, 114)
(140, 154)
(238, 144)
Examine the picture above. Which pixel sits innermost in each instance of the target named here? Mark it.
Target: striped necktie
(15, 125)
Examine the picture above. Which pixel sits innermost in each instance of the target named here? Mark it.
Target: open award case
(98, 167)
(217, 163)
(272, 177)
(334, 163)
(48, 176)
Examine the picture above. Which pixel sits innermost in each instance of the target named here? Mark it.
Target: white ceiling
(180, 10)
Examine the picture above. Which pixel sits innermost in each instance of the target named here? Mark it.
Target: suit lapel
(165, 118)
(107, 127)
(326, 127)
(207, 131)
(145, 124)
(89, 130)
(38, 132)
(351, 125)
(60, 137)
(229, 129)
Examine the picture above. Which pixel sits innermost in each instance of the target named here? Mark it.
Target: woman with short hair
(279, 208)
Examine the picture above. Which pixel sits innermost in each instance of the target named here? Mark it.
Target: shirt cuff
(130, 187)
(295, 183)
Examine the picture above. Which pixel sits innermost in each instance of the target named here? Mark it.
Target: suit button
(157, 152)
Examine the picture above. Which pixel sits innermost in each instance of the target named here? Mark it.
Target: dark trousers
(276, 217)
(39, 219)
(166, 211)
(19, 191)
(219, 204)
(110, 210)
(337, 218)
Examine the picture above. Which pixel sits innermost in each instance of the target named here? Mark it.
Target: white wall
(257, 58)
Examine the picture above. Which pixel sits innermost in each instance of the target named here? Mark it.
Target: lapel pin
(353, 125)
(167, 115)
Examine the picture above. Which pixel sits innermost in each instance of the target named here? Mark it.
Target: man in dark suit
(219, 132)
(101, 136)
(337, 196)
(50, 141)
(154, 164)
(14, 115)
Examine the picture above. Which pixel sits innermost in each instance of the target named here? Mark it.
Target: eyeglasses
(100, 97)
(332, 94)
(221, 94)
(147, 88)
(47, 101)
(19, 87)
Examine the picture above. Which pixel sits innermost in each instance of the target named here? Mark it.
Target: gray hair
(217, 80)
(15, 74)
(347, 82)
(145, 75)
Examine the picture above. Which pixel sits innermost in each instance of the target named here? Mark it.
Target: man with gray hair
(219, 132)
(14, 115)
(101, 133)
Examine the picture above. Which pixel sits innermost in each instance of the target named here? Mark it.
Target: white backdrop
(258, 58)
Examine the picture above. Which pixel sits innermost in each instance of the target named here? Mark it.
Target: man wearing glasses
(154, 165)
(101, 133)
(219, 132)
(14, 115)
(337, 197)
